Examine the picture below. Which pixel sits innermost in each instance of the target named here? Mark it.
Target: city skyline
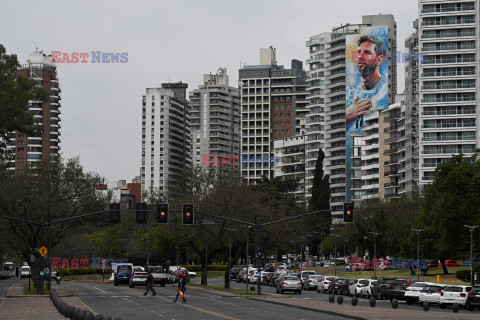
(101, 111)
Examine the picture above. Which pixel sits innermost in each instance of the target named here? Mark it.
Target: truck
(160, 275)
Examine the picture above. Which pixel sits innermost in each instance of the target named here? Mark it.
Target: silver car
(312, 281)
(138, 279)
(289, 283)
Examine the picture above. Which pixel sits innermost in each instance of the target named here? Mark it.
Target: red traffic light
(349, 212)
(188, 214)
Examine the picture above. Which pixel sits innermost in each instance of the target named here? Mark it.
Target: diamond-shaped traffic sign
(43, 251)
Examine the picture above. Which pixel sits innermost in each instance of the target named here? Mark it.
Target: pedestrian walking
(182, 286)
(149, 284)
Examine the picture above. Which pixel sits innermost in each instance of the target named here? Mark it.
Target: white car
(25, 272)
(431, 294)
(139, 278)
(252, 275)
(312, 281)
(354, 288)
(305, 273)
(452, 294)
(323, 286)
(366, 289)
(413, 292)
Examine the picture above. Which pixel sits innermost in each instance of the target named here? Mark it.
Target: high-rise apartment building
(327, 104)
(215, 121)
(269, 95)
(448, 80)
(166, 138)
(29, 150)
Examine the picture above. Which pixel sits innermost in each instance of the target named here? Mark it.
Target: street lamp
(471, 228)
(417, 231)
(375, 234)
(230, 253)
(365, 247)
(335, 256)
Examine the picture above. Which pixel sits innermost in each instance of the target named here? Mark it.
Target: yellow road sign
(43, 251)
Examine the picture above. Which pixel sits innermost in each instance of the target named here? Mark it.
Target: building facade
(30, 150)
(166, 138)
(215, 121)
(448, 80)
(328, 99)
(269, 94)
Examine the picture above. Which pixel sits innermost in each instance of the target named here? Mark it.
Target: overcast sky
(165, 40)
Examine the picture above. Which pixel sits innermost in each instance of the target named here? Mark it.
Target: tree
(53, 190)
(320, 200)
(15, 92)
(451, 201)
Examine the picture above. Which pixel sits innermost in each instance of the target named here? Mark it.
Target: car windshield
(123, 271)
(291, 278)
(363, 281)
(399, 283)
(476, 289)
(453, 289)
(433, 288)
(309, 272)
(25, 268)
(419, 285)
(316, 277)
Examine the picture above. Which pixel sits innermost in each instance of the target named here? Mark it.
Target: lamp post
(365, 246)
(417, 231)
(375, 234)
(335, 257)
(472, 229)
(230, 254)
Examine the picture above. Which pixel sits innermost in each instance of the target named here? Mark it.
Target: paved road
(128, 303)
(314, 295)
(4, 286)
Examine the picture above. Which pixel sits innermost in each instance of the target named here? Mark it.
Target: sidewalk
(367, 312)
(19, 306)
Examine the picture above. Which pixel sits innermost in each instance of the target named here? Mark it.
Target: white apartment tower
(448, 80)
(215, 120)
(328, 99)
(270, 98)
(166, 138)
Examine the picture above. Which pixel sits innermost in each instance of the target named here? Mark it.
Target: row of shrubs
(464, 275)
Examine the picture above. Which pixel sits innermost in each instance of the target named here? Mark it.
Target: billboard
(366, 86)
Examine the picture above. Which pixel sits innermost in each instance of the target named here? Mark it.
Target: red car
(449, 263)
(181, 274)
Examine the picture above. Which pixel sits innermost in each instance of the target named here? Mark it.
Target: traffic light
(114, 213)
(162, 213)
(348, 212)
(141, 212)
(187, 216)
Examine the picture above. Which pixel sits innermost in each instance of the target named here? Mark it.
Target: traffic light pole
(259, 234)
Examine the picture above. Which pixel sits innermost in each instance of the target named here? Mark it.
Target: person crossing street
(182, 286)
(149, 284)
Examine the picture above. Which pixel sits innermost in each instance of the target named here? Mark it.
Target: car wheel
(421, 303)
(409, 302)
(469, 307)
(442, 306)
(299, 291)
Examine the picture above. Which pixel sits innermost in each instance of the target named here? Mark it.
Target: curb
(310, 309)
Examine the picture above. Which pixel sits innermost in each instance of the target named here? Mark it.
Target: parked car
(473, 299)
(431, 294)
(366, 289)
(181, 273)
(449, 263)
(413, 292)
(432, 263)
(352, 287)
(452, 294)
(241, 275)
(338, 286)
(312, 281)
(397, 288)
(266, 278)
(305, 273)
(234, 273)
(379, 290)
(252, 276)
(139, 278)
(323, 286)
(25, 272)
(468, 263)
(289, 283)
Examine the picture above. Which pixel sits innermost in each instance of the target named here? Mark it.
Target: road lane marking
(100, 290)
(213, 313)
